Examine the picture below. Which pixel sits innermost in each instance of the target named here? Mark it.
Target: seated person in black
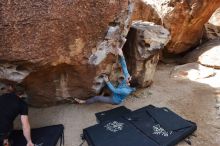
(11, 105)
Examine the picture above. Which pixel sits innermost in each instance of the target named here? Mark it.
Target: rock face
(206, 54)
(210, 55)
(142, 48)
(54, 32)
(13, 72)
(51, 85)
(46, 45)
(185, 20)
(60, 49)
(213, 26)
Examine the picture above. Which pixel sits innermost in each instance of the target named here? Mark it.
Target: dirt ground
(194, 100)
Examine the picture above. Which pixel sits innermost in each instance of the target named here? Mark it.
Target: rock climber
(11, 105)
(119, 93)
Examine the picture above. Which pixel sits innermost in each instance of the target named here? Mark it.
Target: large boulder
(46, 45)
(54, 32)
(213, 26)
(60, 49)
(145, 41)
(185, 20)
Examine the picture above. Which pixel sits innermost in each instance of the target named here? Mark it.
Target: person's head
(10, 88)
(121, 79)
(3, 89)
(129, 81)
(7, 88)
(18, 90)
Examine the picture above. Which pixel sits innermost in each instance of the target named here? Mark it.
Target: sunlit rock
(206, 54)
(184, 19)
(192, 71)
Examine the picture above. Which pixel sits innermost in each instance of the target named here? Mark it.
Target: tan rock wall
(52, 42)
(184, 18)
(54, 32)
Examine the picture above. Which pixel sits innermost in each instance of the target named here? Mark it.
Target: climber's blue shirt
(123, 90)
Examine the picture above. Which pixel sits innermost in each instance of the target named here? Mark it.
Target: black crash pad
(153, 122)
(169, 119)
(118, 132)
(111, 114)
(45, 136)
(147, 126)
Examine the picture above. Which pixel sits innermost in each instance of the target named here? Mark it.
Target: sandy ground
(194, 100)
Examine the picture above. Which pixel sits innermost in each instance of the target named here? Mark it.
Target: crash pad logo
(39, 144)
(158, 130)
(114, 126)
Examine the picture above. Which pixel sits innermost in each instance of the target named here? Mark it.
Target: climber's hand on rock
(120, 52)
(129, 78)
(106, 78)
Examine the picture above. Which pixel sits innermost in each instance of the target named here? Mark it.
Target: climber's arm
(123, 64)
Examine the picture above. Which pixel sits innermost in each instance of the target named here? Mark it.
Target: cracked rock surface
(185, 20)
(57, 38)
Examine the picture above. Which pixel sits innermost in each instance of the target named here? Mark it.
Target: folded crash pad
(111, 114)
(45, 136)
(161, 125)
(117, 132)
